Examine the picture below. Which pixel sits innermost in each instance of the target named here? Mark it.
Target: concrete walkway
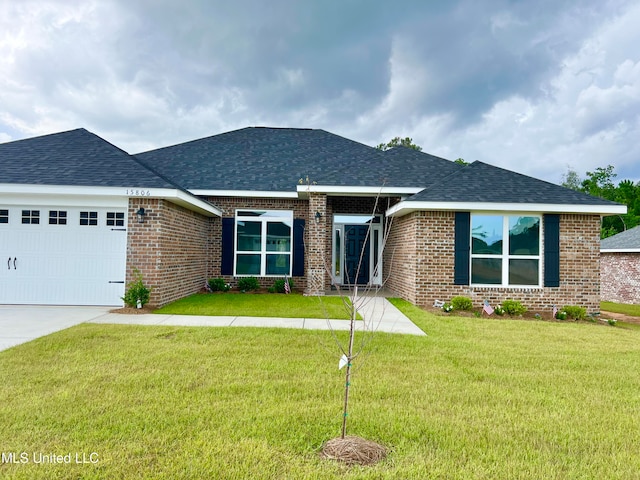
(20, 324)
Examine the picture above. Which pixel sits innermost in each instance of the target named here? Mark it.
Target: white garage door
(62, 255)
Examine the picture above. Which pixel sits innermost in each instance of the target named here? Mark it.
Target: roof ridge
(45, 135)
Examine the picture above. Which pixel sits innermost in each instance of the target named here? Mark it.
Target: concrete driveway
(23, 323)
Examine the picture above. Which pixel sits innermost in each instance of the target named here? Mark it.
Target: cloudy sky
(534, 86)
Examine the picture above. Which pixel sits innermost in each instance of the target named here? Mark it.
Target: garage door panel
(62, 264)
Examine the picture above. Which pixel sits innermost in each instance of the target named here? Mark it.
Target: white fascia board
(243, 193)
(620, 250)
(192, 203)
(94, 194)
(404, 208)
(358, 191)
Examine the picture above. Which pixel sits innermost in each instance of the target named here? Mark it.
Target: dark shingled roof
(74, 158)
(270, 159)
(275, 159)
(627, 240)
(407, 167)
(480, 182)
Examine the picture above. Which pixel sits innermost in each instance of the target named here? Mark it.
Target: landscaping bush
(248, 284)
(137, 291)
(513, 307)
(499, 310)
(575, 312)
(218, 285)
(461, 303)
(561, 315)
(278, 286)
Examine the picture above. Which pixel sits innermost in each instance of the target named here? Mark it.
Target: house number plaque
(138, 192)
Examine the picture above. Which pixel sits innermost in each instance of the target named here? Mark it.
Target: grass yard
(476, 398)
(258, 305)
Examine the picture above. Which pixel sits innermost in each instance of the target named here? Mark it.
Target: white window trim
(267, 217)
(505, 256)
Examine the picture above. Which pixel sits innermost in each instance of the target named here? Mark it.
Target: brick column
(316, 245)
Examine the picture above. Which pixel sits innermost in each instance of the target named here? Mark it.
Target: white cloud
(528, 88)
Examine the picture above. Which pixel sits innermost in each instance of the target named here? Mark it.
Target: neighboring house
(270, 202)
(620, 267)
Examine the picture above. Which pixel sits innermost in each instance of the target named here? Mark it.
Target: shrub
(247, 284)
(447, 307)
(499, 310)
(461, 303)
(612, 322)
(561, 315)
(278, 286)
(575, 312)
(218, 285)
(513, 307)
(137, 291)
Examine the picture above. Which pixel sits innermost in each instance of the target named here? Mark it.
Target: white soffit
(243, 193)
(620, 250)
(104, 195)
(404, 208)
(358, 190)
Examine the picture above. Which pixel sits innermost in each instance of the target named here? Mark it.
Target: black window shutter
(298, 247)
(551, 250)
(226, 263)
(462, 248)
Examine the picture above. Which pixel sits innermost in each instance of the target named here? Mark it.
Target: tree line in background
(601, 183)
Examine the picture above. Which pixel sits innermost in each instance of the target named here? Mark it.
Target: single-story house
(620, 267)
(79, 216)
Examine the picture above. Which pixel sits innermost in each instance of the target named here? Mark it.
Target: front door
(356, 247)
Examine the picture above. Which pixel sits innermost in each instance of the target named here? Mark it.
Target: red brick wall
(177, 250)
(620, 277)
(318, 237)
(171, 249)
(229, 205)
(421, 270)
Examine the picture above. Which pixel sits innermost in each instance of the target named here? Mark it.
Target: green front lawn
(258, 305)
(476, 398)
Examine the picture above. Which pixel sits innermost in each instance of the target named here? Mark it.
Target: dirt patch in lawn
(133, 311)
(621, 317)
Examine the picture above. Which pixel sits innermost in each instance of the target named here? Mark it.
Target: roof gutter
(172, 195)
(404, 208)
(620, 250)
(359, 191)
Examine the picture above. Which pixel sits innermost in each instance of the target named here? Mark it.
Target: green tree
(461, 161)
(399, 142)
(572, 180)
(599, 183)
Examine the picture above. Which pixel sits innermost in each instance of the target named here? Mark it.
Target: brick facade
(171, 249)
(419, 259)
(228, 206)
(620, 277)
(176, 250)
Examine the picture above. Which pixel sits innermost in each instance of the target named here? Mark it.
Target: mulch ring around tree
(353, 451)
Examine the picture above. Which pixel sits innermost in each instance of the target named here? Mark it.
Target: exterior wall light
(141, 214)
(318, 216)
